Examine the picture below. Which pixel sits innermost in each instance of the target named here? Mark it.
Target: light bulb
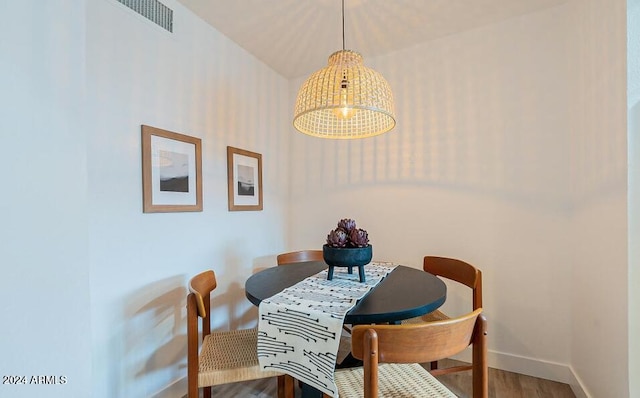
(345, 111)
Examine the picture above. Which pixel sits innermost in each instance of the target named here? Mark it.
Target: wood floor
(505, 384)
(502, 384)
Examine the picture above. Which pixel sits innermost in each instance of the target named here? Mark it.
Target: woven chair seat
(229, 357)
(430, 317)
(394, 381)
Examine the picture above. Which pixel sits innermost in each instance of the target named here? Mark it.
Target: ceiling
(295, 37)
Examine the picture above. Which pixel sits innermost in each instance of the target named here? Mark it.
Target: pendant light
(345, 99)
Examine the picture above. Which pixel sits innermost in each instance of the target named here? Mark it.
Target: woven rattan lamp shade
(344, 100)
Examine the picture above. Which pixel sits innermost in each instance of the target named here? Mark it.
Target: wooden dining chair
(221, 357)
(300, 256)
(392, 354)
(457, 271)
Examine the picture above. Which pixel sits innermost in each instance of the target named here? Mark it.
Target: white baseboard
(578, 387)
(562, 373)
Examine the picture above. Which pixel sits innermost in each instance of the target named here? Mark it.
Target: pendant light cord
(343, 25)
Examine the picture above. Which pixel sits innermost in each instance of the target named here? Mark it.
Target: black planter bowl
(347, 257)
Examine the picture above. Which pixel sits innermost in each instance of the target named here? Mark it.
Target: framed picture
(171, 171)
(244, 176)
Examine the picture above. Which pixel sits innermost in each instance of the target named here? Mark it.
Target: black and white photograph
(174, 171)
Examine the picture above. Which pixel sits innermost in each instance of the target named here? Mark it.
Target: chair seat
(229, 357)
(430, 317)
(394, 381)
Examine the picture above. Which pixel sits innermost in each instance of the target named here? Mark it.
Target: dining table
(403, 293)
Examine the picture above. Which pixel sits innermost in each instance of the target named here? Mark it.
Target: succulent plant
(358, 238)
(347, 235)
(347, 224)
(337, 238)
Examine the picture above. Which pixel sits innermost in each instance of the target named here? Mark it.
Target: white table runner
(299, 328)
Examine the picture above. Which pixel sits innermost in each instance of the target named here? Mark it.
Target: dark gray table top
(404, 293)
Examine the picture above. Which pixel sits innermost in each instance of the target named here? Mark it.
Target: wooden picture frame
(244, 179)
(171, 171)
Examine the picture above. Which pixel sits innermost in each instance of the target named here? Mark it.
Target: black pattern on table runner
(299, 328)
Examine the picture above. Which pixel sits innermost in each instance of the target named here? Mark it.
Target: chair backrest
(201, 286)
(459, 271)
(420, 343)
(300, 257)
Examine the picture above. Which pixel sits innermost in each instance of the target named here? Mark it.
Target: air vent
(153, 10)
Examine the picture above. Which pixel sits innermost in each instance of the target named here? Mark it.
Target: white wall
(78, 79)
(44, 286)
(599, 153)
(633, 106)
(634, 251)
(477, 168)
(195, 82)
(509, 153)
